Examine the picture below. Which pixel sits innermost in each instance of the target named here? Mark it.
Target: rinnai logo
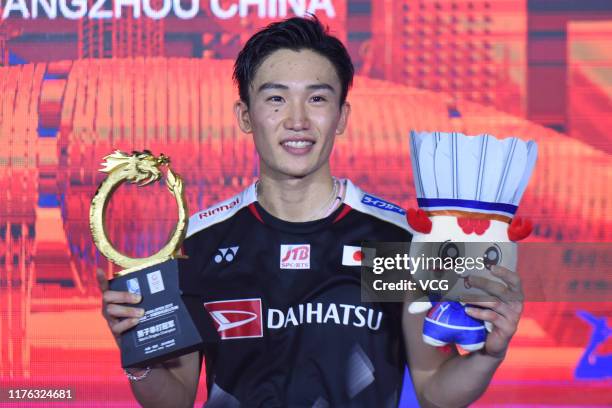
(237, 319)
(382, 204)
(219, 209)
(295, 256)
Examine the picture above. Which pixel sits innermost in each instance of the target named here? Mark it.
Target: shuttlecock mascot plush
(468, 189)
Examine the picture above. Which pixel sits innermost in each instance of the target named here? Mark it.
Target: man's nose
(297, 118)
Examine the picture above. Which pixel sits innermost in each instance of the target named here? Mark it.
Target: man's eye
(275, 99)
(318, 99)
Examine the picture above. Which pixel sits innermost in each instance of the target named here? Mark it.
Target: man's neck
(297, 199)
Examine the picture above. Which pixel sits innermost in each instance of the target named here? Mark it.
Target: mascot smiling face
(468, 189)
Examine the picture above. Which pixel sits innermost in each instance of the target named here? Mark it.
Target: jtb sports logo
(295, 256)
(382, 204)
(236, 319)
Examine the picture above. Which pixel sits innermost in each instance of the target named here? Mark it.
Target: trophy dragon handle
(140, 168)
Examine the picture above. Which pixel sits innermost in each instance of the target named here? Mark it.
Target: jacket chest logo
(296, 256)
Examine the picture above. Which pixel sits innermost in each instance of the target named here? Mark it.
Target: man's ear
(241, 110)
(345, 111)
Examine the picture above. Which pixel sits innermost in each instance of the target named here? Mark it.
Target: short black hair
(296, 34)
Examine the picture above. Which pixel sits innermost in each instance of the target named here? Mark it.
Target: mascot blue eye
(492, 256)
(449, 250)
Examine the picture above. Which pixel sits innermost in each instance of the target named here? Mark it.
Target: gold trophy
(167, 328)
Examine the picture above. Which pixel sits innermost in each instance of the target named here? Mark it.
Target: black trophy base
(173, 324)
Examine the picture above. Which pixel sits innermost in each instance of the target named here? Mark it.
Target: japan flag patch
(357, 256)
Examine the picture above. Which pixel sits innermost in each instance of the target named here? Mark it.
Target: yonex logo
(236, 319)
(438, 311)
(295, 256)
(226, 254)
(382, 204)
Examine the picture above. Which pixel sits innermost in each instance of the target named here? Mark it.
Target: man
(284, 254)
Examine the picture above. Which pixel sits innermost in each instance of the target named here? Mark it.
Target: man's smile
(298, 145)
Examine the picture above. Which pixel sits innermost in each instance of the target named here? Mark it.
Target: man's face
(294, 113)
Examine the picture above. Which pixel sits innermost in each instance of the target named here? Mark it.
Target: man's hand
(119, 317)
(503, 313)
